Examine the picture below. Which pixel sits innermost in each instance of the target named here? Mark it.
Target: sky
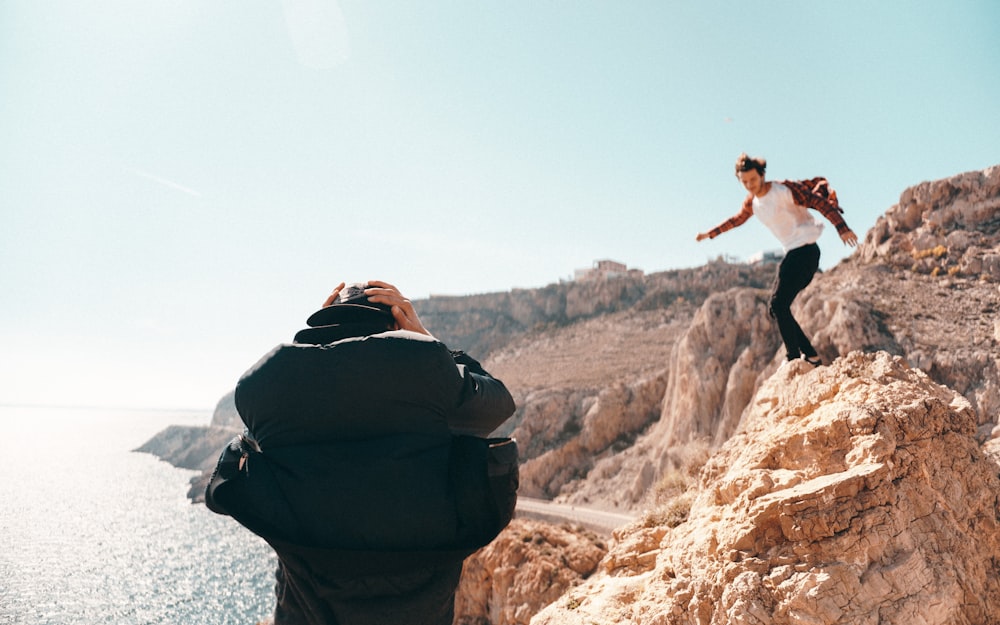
(182, 182)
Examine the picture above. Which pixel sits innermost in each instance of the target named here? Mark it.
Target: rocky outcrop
(925, 284)
(588, 391)
(945, 325)
(854, 493)
(188, 447)
(713, 370)
(593, 427)
(197, 447)
(715, 367)
(949, 226)
(527, 567)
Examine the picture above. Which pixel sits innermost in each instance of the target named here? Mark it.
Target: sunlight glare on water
(93, 532)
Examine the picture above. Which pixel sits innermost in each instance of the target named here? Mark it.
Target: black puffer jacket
(356, 440)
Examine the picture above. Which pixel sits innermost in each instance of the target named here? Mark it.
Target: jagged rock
(949, 224)
(713, 369)
(189, 447)
(598, 385)
(924, 285)
(528, 566)
(715, 365)
(548, 418)
(852, 494)
(196, 447)
(596, 427)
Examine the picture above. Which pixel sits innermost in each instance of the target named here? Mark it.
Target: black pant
(424, 597)
(795, 273)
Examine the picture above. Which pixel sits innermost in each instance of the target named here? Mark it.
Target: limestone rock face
(585, 393)
(594, 427)
(950, 225)
(943, 325)
(852, 494)
(528, 566)
(925, 284)
(189, 447)
(715, 367)
(197, 447)
(588, 394)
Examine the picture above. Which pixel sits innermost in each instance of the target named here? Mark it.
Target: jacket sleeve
(484, 403)
(817, 195)
(738, 219)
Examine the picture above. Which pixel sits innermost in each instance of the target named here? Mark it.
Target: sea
(93, 532)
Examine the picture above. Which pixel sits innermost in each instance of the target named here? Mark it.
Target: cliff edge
(854, 493)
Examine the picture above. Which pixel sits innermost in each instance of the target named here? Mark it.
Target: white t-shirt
(792, 224)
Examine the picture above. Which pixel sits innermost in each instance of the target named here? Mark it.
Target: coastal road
(596, 520)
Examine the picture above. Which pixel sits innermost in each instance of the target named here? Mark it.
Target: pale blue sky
(183, 181)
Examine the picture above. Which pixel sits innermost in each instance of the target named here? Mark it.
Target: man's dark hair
(746, 163)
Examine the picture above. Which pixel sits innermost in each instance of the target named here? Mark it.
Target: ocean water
(91, 532)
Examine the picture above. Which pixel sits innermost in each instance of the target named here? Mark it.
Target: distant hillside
(483, 324)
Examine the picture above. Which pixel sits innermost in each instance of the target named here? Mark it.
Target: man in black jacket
(356, 466)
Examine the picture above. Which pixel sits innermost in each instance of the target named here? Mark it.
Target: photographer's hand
(333, 296)
(402, 308)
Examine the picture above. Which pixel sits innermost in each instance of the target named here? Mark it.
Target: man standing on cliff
(363, 465)
(782, 207)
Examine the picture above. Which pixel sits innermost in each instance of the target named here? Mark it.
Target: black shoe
(813, 360)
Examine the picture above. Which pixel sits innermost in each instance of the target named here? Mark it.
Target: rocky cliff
(530, 565)
(197, 447)
(854, 493)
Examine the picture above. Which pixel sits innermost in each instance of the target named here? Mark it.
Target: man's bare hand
(333, 296)
(402, 308)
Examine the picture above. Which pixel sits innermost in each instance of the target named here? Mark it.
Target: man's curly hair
(746, 163)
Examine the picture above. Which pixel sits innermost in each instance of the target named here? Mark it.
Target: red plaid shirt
(814, 193)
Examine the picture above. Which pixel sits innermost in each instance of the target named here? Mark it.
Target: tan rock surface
(925, 284)
(528, 566)
(713, 370)
(715, 366)
(585, 393)
(854, 493)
